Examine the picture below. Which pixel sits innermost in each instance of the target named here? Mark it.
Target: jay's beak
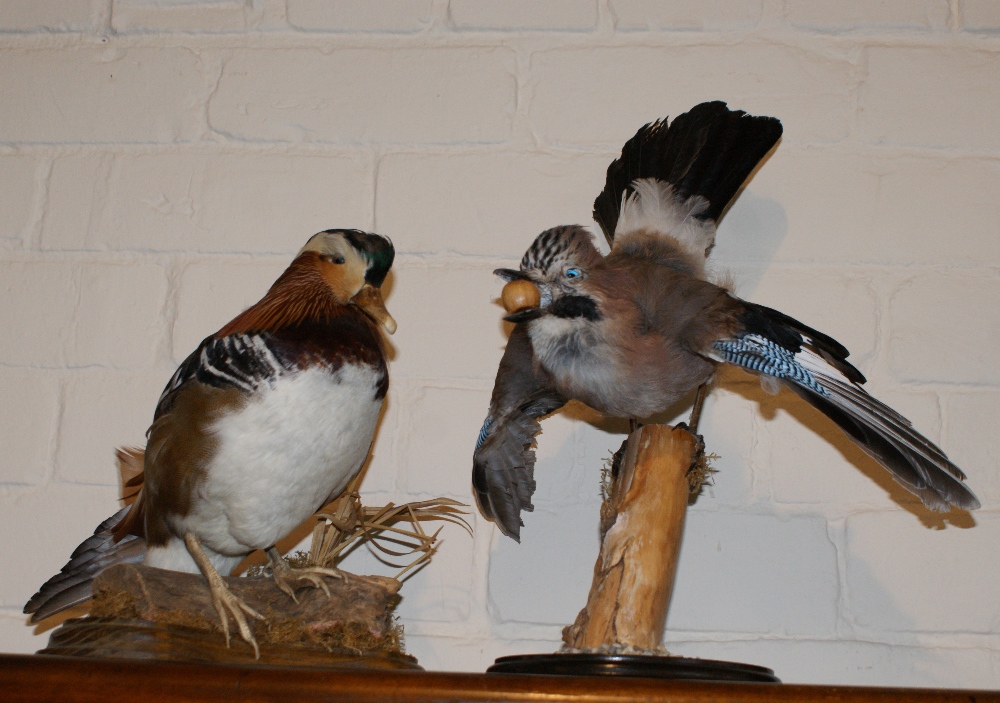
(511, 275)
(369, 299)
(526, 315)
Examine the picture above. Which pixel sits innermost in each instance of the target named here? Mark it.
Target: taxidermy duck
(264, 423)
(633, 332)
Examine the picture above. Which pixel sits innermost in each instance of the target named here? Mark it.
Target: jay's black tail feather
(708, 151)
(914, 462)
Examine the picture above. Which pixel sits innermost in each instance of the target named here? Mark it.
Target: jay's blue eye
(572, 273)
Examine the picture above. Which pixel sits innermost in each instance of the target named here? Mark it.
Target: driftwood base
(642, 522)
(139, 612)
(152, 641)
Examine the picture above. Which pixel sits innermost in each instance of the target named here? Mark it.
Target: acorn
(520, 294)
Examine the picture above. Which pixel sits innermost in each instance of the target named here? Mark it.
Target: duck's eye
(572, 273)
(335, 259)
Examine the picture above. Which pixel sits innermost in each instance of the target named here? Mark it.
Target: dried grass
(698, 476)
(700, 473)
(391, 532)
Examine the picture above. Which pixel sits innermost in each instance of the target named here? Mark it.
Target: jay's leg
(699, 401)
(285, 575)
(222, 598)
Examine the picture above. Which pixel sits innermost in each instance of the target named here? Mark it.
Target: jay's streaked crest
(263, 424)
(633, 332)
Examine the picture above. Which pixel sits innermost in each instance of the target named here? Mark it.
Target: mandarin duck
(263, 424)
(635, 331)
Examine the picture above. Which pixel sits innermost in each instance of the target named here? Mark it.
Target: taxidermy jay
(263, 424)
(633, 332)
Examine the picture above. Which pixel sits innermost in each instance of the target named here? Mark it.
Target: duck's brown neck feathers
(301, 294)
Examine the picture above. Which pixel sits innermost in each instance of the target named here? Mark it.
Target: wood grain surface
(634, 572)
(31, 678)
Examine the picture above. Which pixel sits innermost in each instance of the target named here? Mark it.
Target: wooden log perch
(140, 612)
(642, 524)
(158, 595)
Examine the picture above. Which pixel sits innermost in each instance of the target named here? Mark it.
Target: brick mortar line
(215, 144)
(811, 40)
(474, 262)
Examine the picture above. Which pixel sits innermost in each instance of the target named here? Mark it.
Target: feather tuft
(654, 207)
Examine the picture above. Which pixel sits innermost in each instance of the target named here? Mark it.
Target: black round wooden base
(645, 666)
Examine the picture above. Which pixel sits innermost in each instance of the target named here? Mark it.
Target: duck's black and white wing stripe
(503, 461)
(243, 361)
(815, 367)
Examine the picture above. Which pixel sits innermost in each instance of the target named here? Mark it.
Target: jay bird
(631, 333)
(263, 424)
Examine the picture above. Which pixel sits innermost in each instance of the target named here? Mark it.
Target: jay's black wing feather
(503, 462)
(815, 367)
(708, 151)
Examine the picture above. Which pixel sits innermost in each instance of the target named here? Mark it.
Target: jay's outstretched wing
(504, 461)
(815, 367)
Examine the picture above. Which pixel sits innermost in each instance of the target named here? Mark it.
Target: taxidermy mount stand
(619, 630)
(141, 612)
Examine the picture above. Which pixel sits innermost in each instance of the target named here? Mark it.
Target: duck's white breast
(283, 455)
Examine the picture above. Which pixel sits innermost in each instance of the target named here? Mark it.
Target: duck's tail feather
(72, 585)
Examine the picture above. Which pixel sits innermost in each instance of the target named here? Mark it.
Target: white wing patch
(654, 207)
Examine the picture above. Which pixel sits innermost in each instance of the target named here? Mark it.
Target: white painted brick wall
(56, 16)
(880, 15)
(393, 16)
(106, 95)
(638, 15)
(980, 15)
(895, 108)
(355, 96)
(211, 202)
(160, 162)
(556, 15)
(201, 16)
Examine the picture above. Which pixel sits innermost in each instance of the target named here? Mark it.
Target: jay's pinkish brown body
(647, 311)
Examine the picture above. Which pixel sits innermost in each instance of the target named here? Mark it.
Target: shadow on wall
(818, 424)
(748, 239)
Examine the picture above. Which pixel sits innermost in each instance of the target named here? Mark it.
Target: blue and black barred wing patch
(815, 368)
(762, 356)
(243, 361)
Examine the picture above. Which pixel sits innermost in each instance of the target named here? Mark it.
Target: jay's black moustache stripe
(571, 306)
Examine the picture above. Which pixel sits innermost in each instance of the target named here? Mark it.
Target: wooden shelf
(69, 679)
